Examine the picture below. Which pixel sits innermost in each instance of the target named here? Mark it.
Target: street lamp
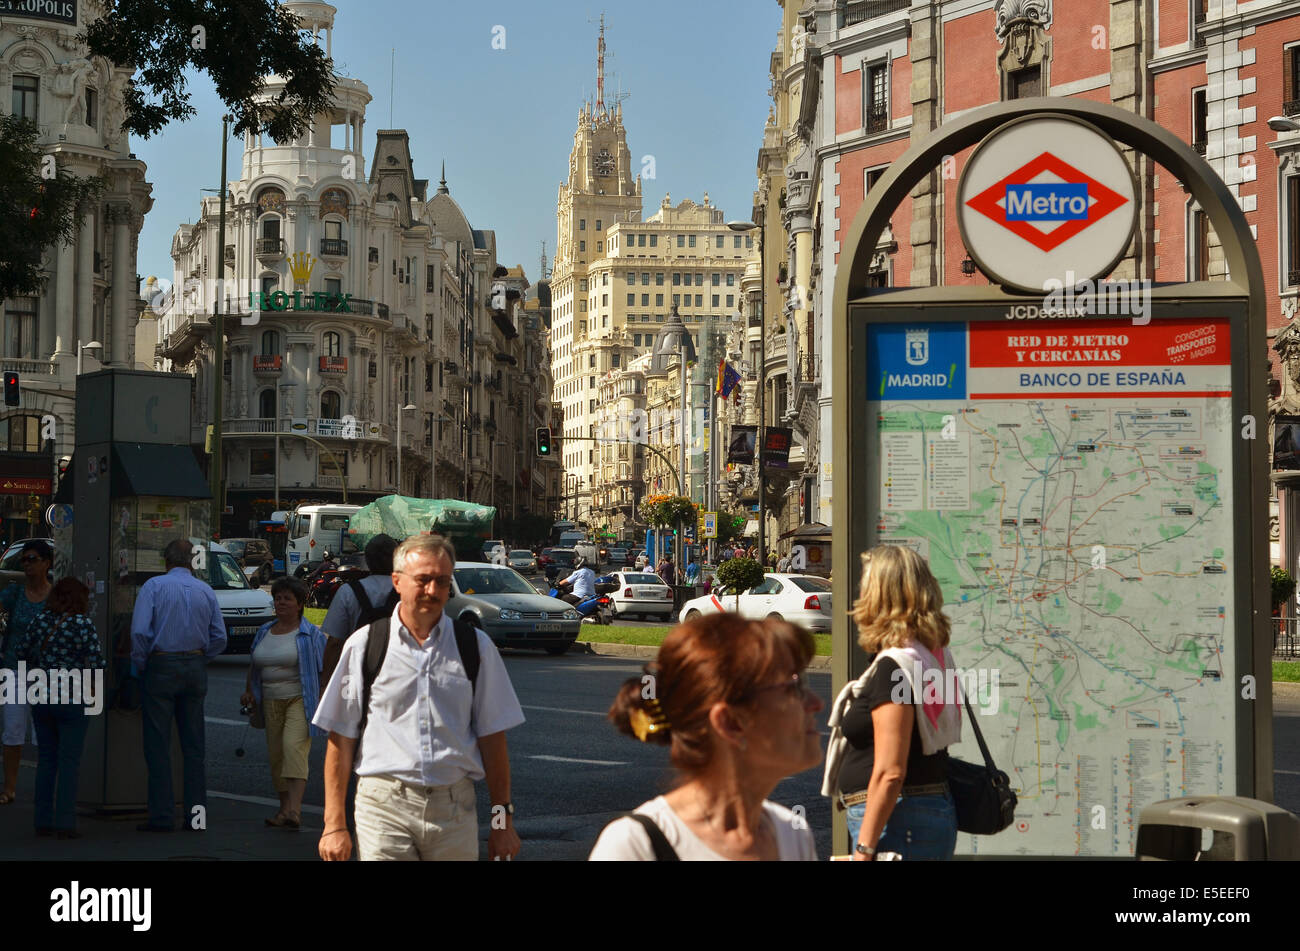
(743, 226)
(1283, 124)
(408, 408)
(676, 337)
(93, 345)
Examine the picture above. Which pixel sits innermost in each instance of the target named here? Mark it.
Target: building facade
(373, 344)
(91, 295)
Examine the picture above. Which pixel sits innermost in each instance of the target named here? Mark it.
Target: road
(571, 771)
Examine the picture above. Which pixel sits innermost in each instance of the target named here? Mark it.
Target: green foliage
(730, 527)
(668, 510)
(1283, 586)
(236, 44)
(740, 574)
(35, 211)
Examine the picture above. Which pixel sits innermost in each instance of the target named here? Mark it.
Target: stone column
(309, 391)
(122, 322)
(85, 289)
(926, 116)
(65, 305)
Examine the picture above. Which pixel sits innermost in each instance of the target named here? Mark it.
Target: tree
(739, 575)
(1283, 586)
(38, 206)
(238, 44)
(730, 527)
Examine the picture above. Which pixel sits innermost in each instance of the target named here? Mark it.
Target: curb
(820, 662)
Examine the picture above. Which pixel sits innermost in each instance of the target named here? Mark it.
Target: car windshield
(811, 584)
(226, 575)
(645, 579)
(521, 553)
(12, 560)
(563, 556)
(235, 548)
(478, 581)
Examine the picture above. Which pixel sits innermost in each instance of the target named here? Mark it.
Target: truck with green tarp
(465, 524)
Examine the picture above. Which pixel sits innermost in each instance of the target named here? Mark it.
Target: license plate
(547, 628)
(243, 631)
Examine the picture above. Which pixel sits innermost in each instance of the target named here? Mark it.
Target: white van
(243, 607)
(315, 528)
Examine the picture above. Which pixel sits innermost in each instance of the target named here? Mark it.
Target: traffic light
(11, 388)
(543, 440)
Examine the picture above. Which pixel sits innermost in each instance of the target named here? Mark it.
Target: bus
(275, 532)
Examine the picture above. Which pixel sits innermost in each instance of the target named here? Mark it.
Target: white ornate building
(91, 293)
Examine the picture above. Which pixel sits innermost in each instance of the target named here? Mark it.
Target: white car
(244, 608)
(800, 599)
(522, 559)
(643, 593)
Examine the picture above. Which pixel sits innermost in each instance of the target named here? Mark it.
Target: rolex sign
(61, 11)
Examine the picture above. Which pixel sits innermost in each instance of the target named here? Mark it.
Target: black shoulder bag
(982, 795)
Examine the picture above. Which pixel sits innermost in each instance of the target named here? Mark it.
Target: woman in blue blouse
(23, 603)
(284, 680)
(62, 638)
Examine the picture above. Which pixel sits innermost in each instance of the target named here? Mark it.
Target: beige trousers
(397, 822)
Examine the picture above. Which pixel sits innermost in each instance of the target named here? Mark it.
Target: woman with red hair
(728, 697)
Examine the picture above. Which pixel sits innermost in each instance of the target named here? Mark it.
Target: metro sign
(1047, 191)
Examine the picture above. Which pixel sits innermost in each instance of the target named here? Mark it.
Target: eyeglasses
(796, 687)
(30, 559)
(423, 581)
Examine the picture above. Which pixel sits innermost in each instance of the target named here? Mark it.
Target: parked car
(243, 607)
(801, 599)
(617, 557)
(561, 565)
(254, 554)
(490, 546)
(504, 604)
(642, 593)
(521, 559)
(11, 569)
(544, 558)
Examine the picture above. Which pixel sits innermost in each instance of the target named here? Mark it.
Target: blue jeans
(920, 827)
(174, 688)
(60, 735)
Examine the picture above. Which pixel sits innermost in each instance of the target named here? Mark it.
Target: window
(333, 344)
(591, 383)
(261, 462)
(334, 285)
(92, 108)
(874, 98)
(645, 300)
(749, 241)
(582, 224)
(1199, 113)
(266, 404)
(24, 98)
(604, 279)
(735, 242)
(715, 301)
(1292, 235)
(598, 244)
(717, 280)
(20, 329)
(681, 241)
(659, 300)
(614, 359)
(640, 241)
(630, 277)
(636, 340)
(654, 241)
(731, 280)
(719, 241)
(23, 433)
(645, 278)
(699, 300)
(1291, 81)
(870, 177)
(659, 279)
(270, 343)
(690, 240)
(599, 226)
(330, 404)
(731, 300)
(631, 300)
(582, 246)
(1025, 83)
(582, 284)
(677, 279)
(591, 360)
(604, 300)
(677, 299)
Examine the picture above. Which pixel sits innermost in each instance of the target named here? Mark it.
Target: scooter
(594, 610)
(325, 584)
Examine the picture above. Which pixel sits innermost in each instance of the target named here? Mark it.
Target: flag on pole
(722, 372)
(730, 377)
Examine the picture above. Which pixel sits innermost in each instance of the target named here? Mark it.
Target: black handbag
(982, 795)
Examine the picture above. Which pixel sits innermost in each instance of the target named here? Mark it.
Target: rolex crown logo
(300, 266)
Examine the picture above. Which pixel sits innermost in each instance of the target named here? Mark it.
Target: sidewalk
(236, 830)
(648, 652)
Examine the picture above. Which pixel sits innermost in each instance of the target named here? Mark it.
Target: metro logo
(1046, 191)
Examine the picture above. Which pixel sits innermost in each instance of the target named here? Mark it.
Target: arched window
(270, 343)
(266, 404)
(333, 344)
(330, 405)
(270, 209)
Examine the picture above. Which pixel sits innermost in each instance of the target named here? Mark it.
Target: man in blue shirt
(175, 629)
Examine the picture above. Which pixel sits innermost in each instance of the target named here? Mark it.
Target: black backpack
(377, 650)
(369, 612)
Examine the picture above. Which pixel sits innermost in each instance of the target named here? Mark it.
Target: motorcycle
(595, 610)
(323, 585)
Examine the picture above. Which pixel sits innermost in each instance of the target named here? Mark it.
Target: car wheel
(557, 651)
(775, 617)
(692, 614)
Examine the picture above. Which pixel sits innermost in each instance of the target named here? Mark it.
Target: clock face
(604, 163)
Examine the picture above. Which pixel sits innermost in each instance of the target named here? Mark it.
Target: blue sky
(696, 71)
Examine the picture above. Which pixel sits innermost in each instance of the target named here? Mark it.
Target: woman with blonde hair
(891, 728)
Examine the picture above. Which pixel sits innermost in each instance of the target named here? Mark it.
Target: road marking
(1288, 772)
(588, 762)
(225, 722)
(586, 713)
(264, 801)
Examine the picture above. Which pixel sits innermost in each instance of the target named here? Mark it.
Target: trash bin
(1242, 830)
(681, 594)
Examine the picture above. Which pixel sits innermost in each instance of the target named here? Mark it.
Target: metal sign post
(1083, 466)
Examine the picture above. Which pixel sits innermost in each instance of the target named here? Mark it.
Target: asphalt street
(571, 771)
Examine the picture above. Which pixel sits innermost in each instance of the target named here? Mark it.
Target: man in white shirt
(583, 581)
(430, 732)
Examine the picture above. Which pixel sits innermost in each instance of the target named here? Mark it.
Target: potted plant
(1283, 587)
(739, 575)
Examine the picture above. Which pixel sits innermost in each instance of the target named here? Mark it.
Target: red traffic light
(11, 388)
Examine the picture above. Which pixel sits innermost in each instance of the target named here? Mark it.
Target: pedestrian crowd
(415, 706)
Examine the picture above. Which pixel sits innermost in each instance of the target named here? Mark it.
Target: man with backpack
(419, 708)
(360, 602)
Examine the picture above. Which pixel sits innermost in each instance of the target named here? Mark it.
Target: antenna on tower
(544, 275)
(620, 97)
(600, 67)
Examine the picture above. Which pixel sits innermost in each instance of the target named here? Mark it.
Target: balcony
(27, 367)
(334, 247)
(1291, 107)
(870, 9)
(322, 428)
(1199, 145)
(271, 249)
(877, 117)
(1198, 21)
(268, 364)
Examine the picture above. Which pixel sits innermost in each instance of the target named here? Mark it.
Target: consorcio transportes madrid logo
(1047, 201)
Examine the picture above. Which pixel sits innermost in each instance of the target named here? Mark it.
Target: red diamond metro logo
(1050, 170)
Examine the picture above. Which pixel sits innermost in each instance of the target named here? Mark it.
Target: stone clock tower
(603, 187)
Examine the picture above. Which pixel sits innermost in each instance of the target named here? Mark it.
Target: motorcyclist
(582, 583)
(327, 564)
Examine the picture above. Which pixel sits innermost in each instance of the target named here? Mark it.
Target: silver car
(502, 602)
(521, 559)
